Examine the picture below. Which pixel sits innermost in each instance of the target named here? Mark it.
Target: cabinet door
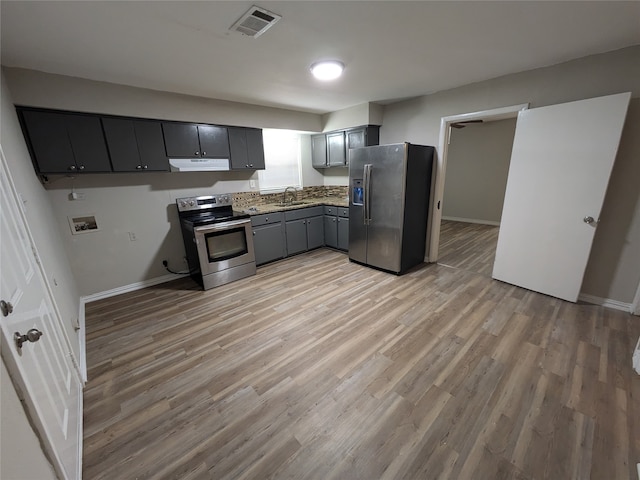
(238, 148)
(336, 155)
(331, 231)
(88, 144)
(121, 142)
(319, 151)
(214, 141)
(49, 141)
(343, 233)
(135, 145)
(255, 148)
(151, 145)
(181, 140)
(315, 232)
(356, 138)
(268, 243)
(296, 232)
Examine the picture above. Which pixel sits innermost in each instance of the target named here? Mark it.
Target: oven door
(224, 245)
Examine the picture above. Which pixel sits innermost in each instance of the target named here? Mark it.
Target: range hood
(199, 164)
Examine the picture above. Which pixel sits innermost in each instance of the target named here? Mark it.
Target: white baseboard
(471, 220)
(132, 287)
(636, 363)
(605, 302)
(82, 336)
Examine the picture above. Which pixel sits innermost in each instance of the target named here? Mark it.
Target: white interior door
(43, 369)
(560, 166)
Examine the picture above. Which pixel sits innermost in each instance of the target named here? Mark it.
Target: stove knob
(192, 203)
(183, 204)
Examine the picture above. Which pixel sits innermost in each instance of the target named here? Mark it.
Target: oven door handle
(221, 226)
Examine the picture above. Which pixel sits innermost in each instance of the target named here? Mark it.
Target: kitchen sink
(289, 204)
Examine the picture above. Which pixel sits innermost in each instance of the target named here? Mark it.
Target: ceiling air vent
(255, 22)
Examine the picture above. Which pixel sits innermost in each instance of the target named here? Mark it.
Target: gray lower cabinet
(331, 231)
(343, 233)
(336, 227)
(268, 237)
(304, 229)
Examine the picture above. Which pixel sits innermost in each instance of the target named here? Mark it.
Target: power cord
(166, 266)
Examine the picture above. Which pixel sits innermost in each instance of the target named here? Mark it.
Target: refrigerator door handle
(367, 193)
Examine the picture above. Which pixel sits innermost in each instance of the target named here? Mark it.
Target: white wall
(477, 168)
(617, 245)
(41, 217)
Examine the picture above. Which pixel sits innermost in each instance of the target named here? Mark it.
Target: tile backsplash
(242, 200)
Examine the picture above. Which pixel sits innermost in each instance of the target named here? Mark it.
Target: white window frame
(283, 161)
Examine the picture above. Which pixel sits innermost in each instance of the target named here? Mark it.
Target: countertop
(308, 202)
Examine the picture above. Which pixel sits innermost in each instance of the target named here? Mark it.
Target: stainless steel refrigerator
(389, 188)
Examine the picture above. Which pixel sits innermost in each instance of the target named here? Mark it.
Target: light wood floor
(318, 368)
(469, 246)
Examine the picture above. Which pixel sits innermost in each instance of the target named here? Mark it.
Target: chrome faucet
(293, 197)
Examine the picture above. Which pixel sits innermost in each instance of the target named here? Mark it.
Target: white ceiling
(391, 49)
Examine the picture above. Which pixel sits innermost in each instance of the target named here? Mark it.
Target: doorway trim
(433, 229)
(635, 305)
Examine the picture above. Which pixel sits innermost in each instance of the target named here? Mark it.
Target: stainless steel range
(218, 241)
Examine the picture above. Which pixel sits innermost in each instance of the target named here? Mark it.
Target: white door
(43, 369)
(560, 166)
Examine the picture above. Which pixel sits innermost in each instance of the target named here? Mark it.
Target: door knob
(6, 308)
(32, 335)
(588, 220)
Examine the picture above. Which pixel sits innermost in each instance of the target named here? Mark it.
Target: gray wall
(143, 204)
(613, 271)
(477, 168)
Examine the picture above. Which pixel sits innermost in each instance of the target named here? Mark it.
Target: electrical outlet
(252, 184)
(132, 236)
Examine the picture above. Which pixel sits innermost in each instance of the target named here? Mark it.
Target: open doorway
(434, 228)
(478, 159)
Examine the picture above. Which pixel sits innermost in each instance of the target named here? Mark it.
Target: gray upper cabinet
(195, 141)
(336, 153)
(319, 151)
(135, 145)
(65, 142)
(247, 149)
(332, 149)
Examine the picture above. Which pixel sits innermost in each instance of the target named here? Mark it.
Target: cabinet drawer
(303, 213)
(343, 212)
(328, 210)
(266, 219)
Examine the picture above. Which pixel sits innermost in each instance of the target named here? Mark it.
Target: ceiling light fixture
(327, 70)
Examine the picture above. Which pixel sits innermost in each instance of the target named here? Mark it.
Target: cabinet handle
(246, 166)
(139, 167)
(196, 153)
(304, 222)
(81, 167)
(251, 165)
(145, 167)
(204, 153)
(72, 168)
(254, 233)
